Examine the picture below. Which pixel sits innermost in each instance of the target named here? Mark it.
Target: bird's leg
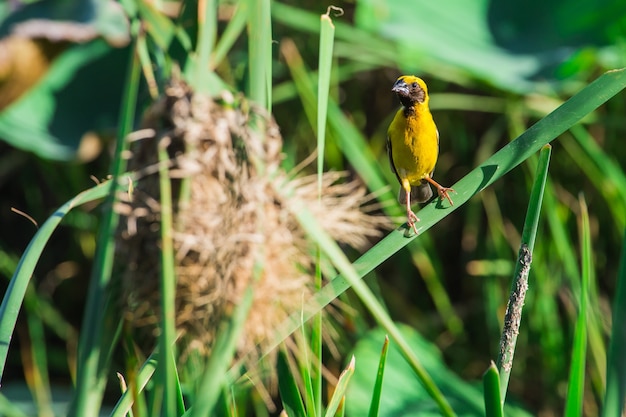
(411, 217)
(442, 191)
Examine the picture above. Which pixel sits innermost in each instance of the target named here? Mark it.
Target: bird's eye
(414, 85)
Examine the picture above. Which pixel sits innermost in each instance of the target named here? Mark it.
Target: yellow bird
(413, 146)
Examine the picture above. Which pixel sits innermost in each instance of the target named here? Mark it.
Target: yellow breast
(414, 144)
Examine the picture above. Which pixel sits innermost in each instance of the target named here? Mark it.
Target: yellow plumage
(413, 145)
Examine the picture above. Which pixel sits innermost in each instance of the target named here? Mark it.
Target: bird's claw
(411, 220)
(443, 193)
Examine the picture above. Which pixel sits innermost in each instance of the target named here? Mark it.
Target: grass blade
(430, 271)
(230, 35)
(37, 377)
(223, 352)
(340, 390)
(14, 295)
(9, 409)
(260, 52)
(327, 34)
(312, 396)
(197, 70)
(513, 315)
(615, 394)
(92, 360)
(167, 337)
(491, 387)
(160, 28)
(351, 142)
(124, 404)
(378, 385)
(289, 392)
(601, 169)
(576, 385)
(207, 33)
(339, 259)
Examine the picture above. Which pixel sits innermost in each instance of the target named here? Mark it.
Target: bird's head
(411, 90)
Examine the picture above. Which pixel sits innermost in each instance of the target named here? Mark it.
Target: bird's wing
(390, 155)
(433, 171)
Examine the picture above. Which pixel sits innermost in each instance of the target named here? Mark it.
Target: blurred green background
(493, 69)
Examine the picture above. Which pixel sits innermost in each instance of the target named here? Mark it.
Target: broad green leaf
(68, 20)
(507, 44)
(402, 393)
(81, 92)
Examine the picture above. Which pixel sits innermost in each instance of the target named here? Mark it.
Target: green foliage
(51, 119)
(519, 286)
(378, 385)
(492, 73)
(576, 385)
(616, 365)
(502, 43)
(102, 322)
(289, 392)
(491, 393)
(14, 295)
(402, 394)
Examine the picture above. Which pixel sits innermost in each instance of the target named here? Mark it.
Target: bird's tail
(419, 194)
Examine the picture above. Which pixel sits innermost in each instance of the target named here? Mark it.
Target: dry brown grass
(236, 215)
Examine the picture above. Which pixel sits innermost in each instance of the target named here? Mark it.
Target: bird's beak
(401, 88)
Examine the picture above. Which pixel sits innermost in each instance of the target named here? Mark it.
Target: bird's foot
(443, 193)
(441, 190)
(411, 220)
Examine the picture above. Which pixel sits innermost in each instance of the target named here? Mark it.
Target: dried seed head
(232, 211)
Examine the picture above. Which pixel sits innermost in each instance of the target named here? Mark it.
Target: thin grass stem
(513, 316)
